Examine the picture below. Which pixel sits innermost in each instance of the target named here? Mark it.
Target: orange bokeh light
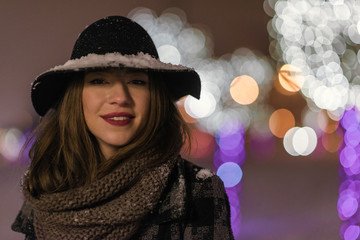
(244, 90)
(331, 141)
(291, 78)
(326, 124)
(281, 121)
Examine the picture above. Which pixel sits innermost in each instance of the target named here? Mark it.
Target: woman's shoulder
(205, 183)
(209, 209)
(24, 221)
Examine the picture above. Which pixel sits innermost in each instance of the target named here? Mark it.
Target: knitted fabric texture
(109, 208)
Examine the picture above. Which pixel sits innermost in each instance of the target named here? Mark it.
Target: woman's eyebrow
(97, 72)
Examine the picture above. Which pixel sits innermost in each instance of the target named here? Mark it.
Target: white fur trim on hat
(141, 61)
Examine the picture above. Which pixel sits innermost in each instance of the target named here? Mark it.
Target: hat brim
(50, 86)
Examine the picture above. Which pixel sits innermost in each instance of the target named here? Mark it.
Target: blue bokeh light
(230, 173)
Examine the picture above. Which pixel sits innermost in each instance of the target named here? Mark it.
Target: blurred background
(277, 120)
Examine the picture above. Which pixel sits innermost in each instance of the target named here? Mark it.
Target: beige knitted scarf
(109, 208)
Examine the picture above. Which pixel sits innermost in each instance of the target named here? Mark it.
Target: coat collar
(173, 204)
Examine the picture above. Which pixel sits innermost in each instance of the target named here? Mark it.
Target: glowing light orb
(348, 206)
(331, 142)
(348, 156)
(281, 121)
(300, 141)
(351, 137)
(244, 90)
(352, 232)
(169, 54)
(231, 141)
(11, 142)
(350, 120)
(201, 108)
(291, 78)
(305, 141)
(230, 173)
(288, 141)
(327, 124)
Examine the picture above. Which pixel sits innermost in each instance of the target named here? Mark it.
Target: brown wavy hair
(66, 155)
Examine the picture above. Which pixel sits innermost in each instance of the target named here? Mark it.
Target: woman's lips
(118, 119)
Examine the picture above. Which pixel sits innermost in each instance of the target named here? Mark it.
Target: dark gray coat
(194, 206)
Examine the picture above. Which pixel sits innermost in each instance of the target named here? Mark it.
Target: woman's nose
(119, 94)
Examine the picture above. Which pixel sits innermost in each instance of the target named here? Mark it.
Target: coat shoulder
(205, 186)
(209, 211)
(24, 221)
(203, 177)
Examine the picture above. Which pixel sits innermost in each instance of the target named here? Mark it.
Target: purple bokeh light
(347, 156)
(221, 156)
(347, 207)
(349, 190)
(351, 137)
(228, 159)
(352, 232)
(350, 120)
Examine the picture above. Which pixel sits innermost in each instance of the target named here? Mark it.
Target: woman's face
(116, 105)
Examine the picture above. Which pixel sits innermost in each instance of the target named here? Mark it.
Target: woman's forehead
(118, 70)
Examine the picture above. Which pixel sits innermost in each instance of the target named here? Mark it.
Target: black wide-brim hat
(112, 42)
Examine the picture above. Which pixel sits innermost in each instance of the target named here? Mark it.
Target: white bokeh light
(321, 38)
(11, 142)
(169, 54)
(300, 141)
(201, 108)
(288, 141)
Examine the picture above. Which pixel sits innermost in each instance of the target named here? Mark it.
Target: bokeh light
(300, 141)
(321, 39)
(349, 155)
(350, 120)
(304, 141)
(326, 124)
(288, 141)
(281, 121)
(11, 142)
(230, 173)
(352, 232)
(291, 78)
(184, 114)
(244, 90)
(201, 108)
(169, 54)
(331, 142)
(347, 206)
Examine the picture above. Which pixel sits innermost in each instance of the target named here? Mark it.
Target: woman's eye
(97, 81)
(138, 82)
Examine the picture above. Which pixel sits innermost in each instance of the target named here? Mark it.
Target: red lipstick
(118, 118)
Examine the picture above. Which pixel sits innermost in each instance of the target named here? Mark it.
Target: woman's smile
(118, 118)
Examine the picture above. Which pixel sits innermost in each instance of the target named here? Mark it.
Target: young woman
(105, 160)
